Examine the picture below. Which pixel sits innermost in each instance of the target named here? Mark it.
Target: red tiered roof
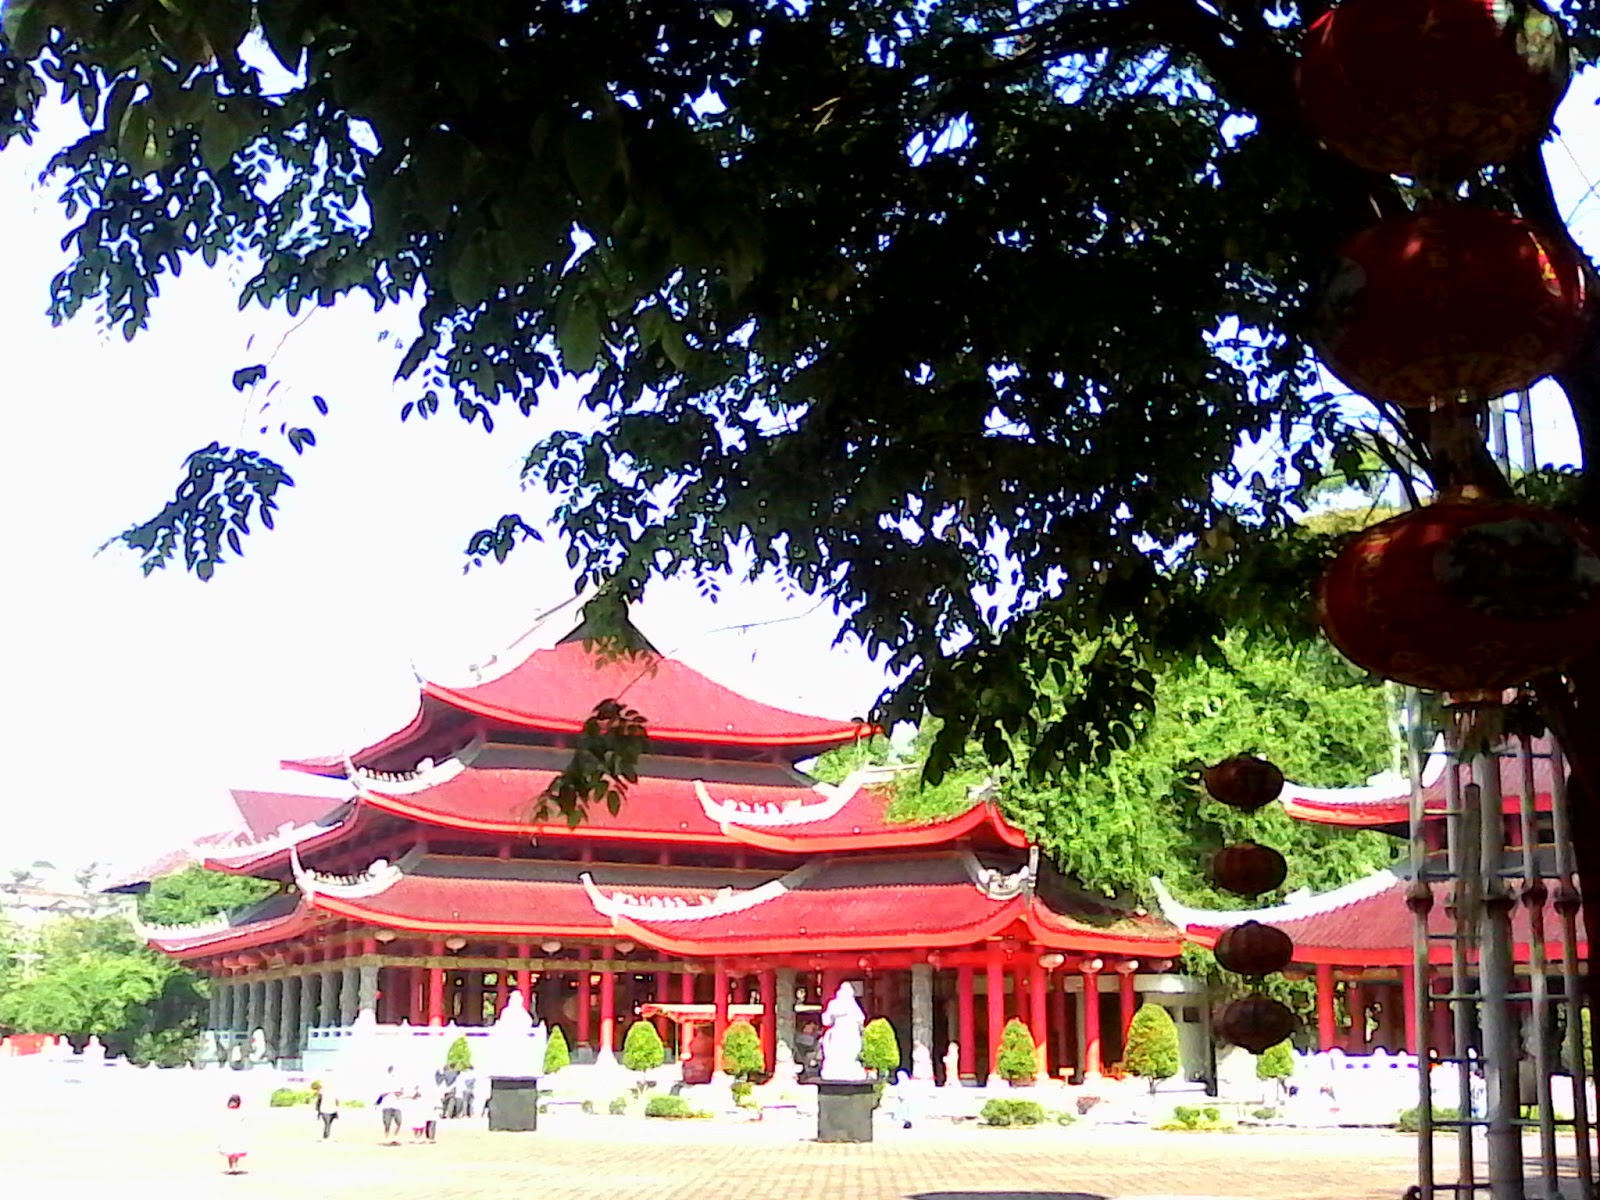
(1365, 923)
(1388, 802)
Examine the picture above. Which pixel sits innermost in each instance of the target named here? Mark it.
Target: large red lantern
(1251, 948)
(1432, 87)
(1465, 596)
(1248, 869)
(1256, 1023)
(1451, 302)
(1244, 782)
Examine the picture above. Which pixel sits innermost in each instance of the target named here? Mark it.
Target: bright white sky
(131, 704)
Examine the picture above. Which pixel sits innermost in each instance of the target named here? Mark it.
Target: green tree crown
(197, 894)
(556, 1054)
(642, 1049)
(459, 1056)
(1017, 1062)
(1276, 1062)
(741, 1051)
(1151, 1049)
(880, 1048)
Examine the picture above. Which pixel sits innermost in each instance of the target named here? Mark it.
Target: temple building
(419, 884)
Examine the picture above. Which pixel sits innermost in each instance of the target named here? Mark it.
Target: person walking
(231, 1141)
(327, 1104)
(466, 1083)
(389, 1102)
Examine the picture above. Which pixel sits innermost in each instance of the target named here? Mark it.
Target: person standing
(466, 1083)
(389, 1102)
(327, 1105)
(231, 1142)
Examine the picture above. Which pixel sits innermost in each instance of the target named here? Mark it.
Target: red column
(436, 989)
(608, 1002)
(719, 1020)
(995, 981)
(686, 988)
(525, 976)
(1444, 1029)
(1091, 1018)
(502, 984)
(1127, 994)
(769, 1018)
(1058, 1016)
(1355, 999)
(585, 998)
(416, 995)
(966, 1026)
(1408, 1001)
(1038, 1019)
(1327, 1026)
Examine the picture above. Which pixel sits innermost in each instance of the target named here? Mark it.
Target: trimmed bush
(741, 1090)
(289, 1097)
(642, 1049)
(1016, 1063)
(1276, 1062)
(880, 1048)
(555, 1051)
(741, 1051)
(618, 1106)
(1151, 1051)
(1410, 1121)
(672, 1107)
(1190, 1117)
(1264, 1114)
(459, 1056)
(1006, 1113)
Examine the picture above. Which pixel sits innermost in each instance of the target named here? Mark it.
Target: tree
(642, 1049)
(918, 302)
(880, 1049)
(196, 894)
(741, 1051)
(556, 1054)
(1276, 1063)
(1017, 1062)
(459, 1056)
(1151, 1049)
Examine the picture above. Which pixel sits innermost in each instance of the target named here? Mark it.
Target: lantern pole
(1495, 967)
(1462, 928)
(1567, 903)
(1530, 457)
(1420, 905)
(1534, 896)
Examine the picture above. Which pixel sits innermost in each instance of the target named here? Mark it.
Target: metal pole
(1495, 974)
(1420, 903)
(1462, 858)
(1498, 441)
(1567, 905)
(1534, 897)
(1530, 457)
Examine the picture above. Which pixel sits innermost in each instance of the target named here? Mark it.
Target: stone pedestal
(514, 1103)
(844, 1110)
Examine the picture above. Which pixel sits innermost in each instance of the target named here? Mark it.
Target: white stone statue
(842, 1021)
(515, 1045)
(952, 1065)
(784, 1069)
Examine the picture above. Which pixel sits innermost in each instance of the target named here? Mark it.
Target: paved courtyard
(88, 1140)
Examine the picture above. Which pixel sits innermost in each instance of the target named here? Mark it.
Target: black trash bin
(514, 1103)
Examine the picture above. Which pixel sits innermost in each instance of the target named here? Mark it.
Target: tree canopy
(196, 894)
(954, 311)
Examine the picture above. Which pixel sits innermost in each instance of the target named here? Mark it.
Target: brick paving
(164, 1147)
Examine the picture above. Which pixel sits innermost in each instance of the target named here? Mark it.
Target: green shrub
(880, 1049)
(1151, 1051)
(741, 1090)
(555, 1051)
(164, 1048)
(672, 1107)
(1063, 1118)
(289, 1097)
(1410, 1120)
(587, 1108)
(1276, 1062)
(352, 1104)
(1016, 1062)
(618, 1106)
(1265, 1114)
(741, 1051)
(459, 1056)
(642, 1049)
(1190, 1117)
(1005, 1113)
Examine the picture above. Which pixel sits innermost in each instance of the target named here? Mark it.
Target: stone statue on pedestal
(842, 1022)
(514, 1046)
(952, 1065)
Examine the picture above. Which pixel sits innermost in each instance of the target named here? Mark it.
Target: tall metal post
(1568, 902)
(1533, 896)
(1496, 973)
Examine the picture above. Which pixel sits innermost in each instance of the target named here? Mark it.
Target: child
(230, 1136)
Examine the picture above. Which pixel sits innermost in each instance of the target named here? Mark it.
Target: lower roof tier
(934, 899)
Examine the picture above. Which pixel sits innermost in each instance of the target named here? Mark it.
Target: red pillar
(436, 989)
(502, 984)
(1059, 1016)
(995, 981)
(608, 1002)
(1408, 1000)
(1091, 1018)
(769, 1018)
(966, 1026)
(719, 1020)
(1444, 1029)
(1038, 1019)
(525, 976)
(1327, 1027)
(1355, 999)
(417, 994)
(585, 999)
(1127, 994)
(686, 988)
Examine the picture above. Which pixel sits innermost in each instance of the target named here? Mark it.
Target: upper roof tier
(1386, 799)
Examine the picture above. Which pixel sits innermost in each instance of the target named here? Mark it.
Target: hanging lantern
(1432, 87)
(1248, 869)
(1251, 948)
(1465, 596)
(1450, 302)
(1244, 782)
(1256, 1023)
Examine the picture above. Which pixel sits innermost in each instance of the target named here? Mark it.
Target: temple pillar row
(328, 1003)
(367, 992)
(349, 995)
(787, 980)
(922, 1021)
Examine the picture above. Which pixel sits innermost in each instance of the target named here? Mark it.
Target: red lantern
(1256, 1023)
(1465, 596)
(1251, 948)
(1244, 782)
(1451, 302)
(1432, 87)
(1248, 869)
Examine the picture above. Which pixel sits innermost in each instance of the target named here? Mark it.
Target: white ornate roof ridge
(1183, 916)
(994, 883)
(834, 800)
(669, 908)
(154, 931)
(375, 880)
(285, 836)
(426, 774)
(513, 654)
(1383, 788)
